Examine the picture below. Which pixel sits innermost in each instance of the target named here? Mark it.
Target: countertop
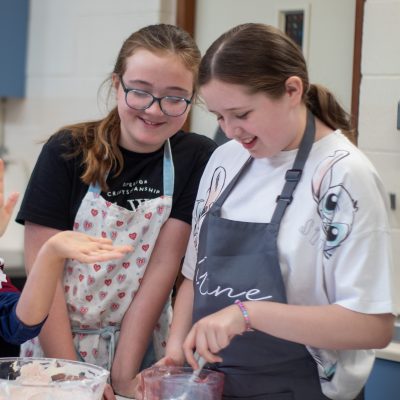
(392, 352)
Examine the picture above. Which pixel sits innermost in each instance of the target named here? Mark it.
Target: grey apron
(239, 260)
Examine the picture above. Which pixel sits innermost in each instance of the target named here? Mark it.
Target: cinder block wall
(380, 94)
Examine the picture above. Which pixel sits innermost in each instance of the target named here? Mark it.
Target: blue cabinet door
(384, 382)
(13, 47)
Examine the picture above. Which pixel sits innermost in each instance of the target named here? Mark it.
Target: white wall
(380, 94)
(72, 48)
(329, 37)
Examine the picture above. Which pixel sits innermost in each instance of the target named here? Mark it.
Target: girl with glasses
(131, 177)
(288, 268)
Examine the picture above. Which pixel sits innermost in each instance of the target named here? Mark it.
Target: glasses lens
(173, 106)
(138, 99)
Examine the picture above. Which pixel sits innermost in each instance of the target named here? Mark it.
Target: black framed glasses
(173, 106)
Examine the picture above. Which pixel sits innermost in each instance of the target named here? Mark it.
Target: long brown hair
(97, 141)
(262, 58)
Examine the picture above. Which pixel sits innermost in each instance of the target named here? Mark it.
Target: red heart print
(28, 353)
(66, 288)
(96, 267)
(126, 264)
(102, 295)
(90, 280)
(114, 235)
(76, 226)
(145, 247)
(103, 234)
(108, 203)
(121, 278)
(94, 353)
(110, 267)
(69, 270)
(87, 225)
(108, 282)
(94, 212)
(83, 353)
(140, 261)
(121, 295)
(83, 310)
(120, 223)
(89, 297)
(160, 210)
(148, 215)
(81, 277)
(114, 306)
(133, 235)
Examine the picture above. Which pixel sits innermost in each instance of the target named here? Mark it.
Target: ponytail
(323, 104)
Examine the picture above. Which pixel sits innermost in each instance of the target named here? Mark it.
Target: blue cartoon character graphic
(332, 196)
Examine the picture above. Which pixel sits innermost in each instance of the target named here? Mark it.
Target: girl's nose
(155, 109)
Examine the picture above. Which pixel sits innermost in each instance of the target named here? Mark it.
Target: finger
(188, 347)
(11, 202)
(203, 347)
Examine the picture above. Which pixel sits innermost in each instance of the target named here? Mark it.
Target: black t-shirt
(55, 190)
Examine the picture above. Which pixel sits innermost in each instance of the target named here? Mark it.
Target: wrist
(245, 315)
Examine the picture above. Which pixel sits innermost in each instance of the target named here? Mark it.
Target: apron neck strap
(293, 176)
(168, 173)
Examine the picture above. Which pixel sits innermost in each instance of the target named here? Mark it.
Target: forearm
(140, 319)
(37, 296)
(181, 321)
(328, 327)
(56, 336)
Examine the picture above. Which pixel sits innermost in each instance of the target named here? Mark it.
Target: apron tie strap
(109, 333)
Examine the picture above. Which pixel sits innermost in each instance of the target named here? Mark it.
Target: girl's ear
(294, 88)
(115, 81)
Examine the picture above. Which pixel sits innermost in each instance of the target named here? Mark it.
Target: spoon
(195, 374)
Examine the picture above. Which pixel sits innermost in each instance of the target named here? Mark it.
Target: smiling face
(263, 126)
(161, 74)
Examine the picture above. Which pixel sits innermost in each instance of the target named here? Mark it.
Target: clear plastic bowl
(173, 383)
(50, 379)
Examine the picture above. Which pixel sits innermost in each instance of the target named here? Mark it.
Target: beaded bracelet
(245, 314)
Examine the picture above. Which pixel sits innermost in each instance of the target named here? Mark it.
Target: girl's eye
(243, 116)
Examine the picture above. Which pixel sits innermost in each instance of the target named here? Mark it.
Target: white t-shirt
(334, 241)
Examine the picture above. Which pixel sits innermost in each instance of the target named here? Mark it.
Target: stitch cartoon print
(331, 196)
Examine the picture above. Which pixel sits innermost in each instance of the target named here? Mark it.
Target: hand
(84, 248)
(130, 389)
(212, 334)
(6, 208)
(165, 361)
(108, 393)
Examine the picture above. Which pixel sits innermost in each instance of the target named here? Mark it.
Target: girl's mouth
(151, 123)
(249, 142)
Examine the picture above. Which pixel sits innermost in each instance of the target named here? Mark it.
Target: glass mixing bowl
(50, 379)
(173, 383)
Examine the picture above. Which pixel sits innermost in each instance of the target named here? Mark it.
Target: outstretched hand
(85, 248)
(6, 207)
